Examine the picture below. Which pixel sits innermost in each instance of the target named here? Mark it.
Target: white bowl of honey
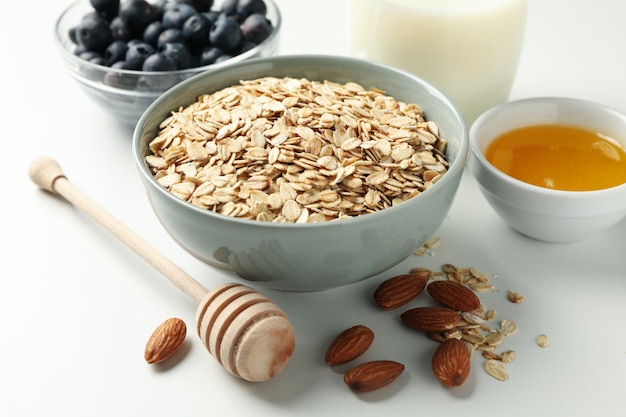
(553, 168)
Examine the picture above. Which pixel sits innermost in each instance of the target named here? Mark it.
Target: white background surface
(77, 306)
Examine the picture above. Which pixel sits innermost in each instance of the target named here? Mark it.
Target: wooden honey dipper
(249, 335)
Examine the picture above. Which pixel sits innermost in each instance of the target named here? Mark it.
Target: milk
(469, 49)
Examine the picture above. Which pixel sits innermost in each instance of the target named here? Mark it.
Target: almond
(165, 340)
(370, 376)
(451, 363)
(431, 319)
(349, 345)
(454, 295)
(399, 290)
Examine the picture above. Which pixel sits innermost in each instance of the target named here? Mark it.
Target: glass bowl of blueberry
(126, 53)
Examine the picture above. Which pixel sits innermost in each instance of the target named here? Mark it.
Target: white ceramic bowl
(542, 213)
(309, 256)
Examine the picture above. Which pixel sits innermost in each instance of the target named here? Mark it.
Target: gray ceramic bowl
(319, 255)
(126, 94)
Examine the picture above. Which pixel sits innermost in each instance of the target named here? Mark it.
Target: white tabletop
(77, 306)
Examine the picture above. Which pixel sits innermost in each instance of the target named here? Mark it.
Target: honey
(560, 157)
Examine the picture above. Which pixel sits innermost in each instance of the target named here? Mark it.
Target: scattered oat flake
(508, 327)
(496, 369)
(491, 355)
(482, 277)
(475, 338)
(481, 286)
(437, 275)
(471, 318)
(515, 297)
(543, 341)
(494, 338)
(508, 356)
(432, 242)
(483, 348)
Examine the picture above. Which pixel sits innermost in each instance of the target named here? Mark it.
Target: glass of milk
(469, 49)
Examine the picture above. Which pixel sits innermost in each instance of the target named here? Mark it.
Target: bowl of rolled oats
(302, 172)
(553, 168)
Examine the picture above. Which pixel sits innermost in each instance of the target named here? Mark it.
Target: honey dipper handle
(47, 174)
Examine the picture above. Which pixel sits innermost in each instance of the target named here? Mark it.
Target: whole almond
(370, 376)
(165, 340)
(451, 363)
(349, 345)
(431, 319)
(454, 295)
(399, 290)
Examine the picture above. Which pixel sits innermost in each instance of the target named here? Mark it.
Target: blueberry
(209, 55)
(211, 16)
(245, 8)
(202, 5)
(137, 54)
(72, 34)
(123, 65)
(177, 53)
(137, 15)
(226, 33)
(120, 80)
(152, 32)
(115, 52)
(89, 55)
(159, 83)
(119, 30)
(99, 60)
(135, 41)
(196, 30)
(159, 6)
(158, 62)
(175, 15)
(256, 28)
(106, 8)
(245, 47)
(79, 50)
(229, 7)
(94, 34)
(92, 15)
(223, 58)
(171, 35)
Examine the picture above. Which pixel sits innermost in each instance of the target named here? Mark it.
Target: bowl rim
(531, 188)
(59, 40)
(455, 168)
